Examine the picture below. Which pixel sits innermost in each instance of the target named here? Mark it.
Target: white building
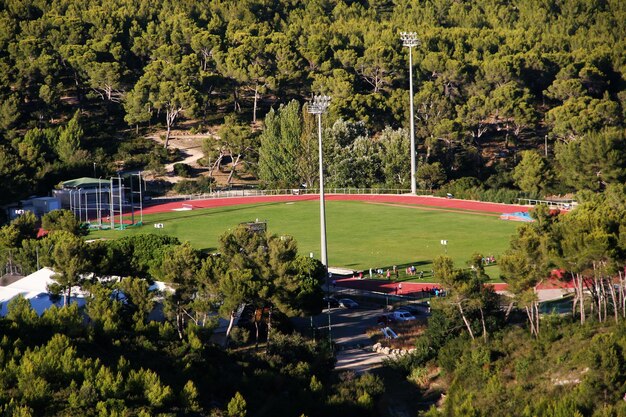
(34, 288)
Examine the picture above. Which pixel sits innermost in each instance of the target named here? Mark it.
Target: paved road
(358, 360)
(348, 331)
(348, 326)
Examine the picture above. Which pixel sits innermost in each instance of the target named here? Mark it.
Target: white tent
(34, 288)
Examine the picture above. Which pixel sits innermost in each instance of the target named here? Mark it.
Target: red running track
(390, 287)
(418, 288)
(440, 202)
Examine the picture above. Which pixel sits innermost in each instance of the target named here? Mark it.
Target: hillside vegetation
(82, 82)
(84, 86)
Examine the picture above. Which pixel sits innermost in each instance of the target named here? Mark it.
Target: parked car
(415, 309)
(393, 317)
(330, 301)
(348, 303)
(403, 316)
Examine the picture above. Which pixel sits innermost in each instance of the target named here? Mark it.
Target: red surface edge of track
(388, 287)
(448, 203)
(418, 288)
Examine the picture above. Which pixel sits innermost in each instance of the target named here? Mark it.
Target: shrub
(237, 406)
(183, 170)
(189, 396)
(199, 186)
(450, 354)
(419, 376)
(239, 336)
(21, 311)
(155, 164)
(158, 187)
(361, 390)
(156, 393)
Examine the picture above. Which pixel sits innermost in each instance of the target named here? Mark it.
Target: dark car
(348, 303)
(330, 301)
(415, 309)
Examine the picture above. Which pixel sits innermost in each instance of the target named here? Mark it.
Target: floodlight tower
(409, 39)
(318, 106)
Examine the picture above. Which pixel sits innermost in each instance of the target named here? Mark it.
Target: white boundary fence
(557, 204)
(295, 191)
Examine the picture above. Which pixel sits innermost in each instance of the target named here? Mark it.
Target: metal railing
(293, 191)
(378, 297)
(560, 204)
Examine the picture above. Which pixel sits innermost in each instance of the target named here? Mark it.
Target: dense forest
(83, 83)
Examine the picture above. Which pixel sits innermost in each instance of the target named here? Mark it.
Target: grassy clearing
(360, 235)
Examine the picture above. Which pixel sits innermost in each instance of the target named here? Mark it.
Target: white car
(403, 316)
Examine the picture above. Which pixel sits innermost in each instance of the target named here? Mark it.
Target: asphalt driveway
(348, 331)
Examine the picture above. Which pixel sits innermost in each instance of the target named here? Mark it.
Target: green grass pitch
(360, 235)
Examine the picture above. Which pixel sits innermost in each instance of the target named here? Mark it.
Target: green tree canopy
(532, 175)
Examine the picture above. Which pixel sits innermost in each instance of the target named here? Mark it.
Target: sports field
(360, 234)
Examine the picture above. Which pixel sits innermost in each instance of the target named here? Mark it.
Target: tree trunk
(530, 313)
(596, 293)
(269, 329)
(428, 150)
(592, 291)
(622, 281)
(603, 298)
(230, 327)
(170, 119)
(205, 58)
(614, 300)
(217, 163)
(258, 316)
(536, 305)
(237, 106)
(482, 320)
(467, 324)
(579, 289)
(232, 171)
(619, 293)
(179, 321)
(508, 310)
(256, 98)
(167, 136)
(194, 319)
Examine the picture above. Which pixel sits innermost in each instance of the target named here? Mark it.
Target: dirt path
(194, 153)
(189, 145)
